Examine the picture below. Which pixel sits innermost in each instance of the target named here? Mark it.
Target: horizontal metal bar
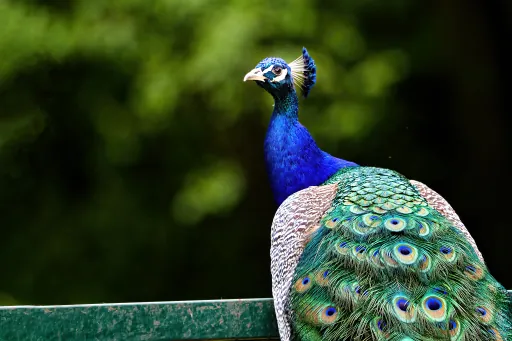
(149, 321)
(185, 320)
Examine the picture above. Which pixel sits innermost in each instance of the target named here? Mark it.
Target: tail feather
(385, 265)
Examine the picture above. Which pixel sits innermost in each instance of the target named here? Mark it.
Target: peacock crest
(303, 72)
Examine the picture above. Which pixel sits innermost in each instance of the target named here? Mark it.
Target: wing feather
(297, 217)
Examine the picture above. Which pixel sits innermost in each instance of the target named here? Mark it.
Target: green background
(131, 161)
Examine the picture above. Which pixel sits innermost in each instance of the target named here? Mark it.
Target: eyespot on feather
(375, 258)
(405, 253)
(321, 277)
(474, 272)
(403, 309)
(434, 307)
(328, 315)
(395, 224)
(332, 222)
(484, 313)
(379, 327)
(359, 252)
(380, 324)
(423, 228)
(357, 291)
(342, 248)
(303, 284)
(452, 327)
(448, 253)
(496, 334)
(371, 220)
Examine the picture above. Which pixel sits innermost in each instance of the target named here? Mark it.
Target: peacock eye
(277, 70)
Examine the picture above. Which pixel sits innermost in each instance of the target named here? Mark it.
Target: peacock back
(383, 264)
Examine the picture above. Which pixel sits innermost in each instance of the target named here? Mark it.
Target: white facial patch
(267, 69)
(279, 78)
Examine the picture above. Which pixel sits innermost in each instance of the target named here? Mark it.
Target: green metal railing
(186, 320)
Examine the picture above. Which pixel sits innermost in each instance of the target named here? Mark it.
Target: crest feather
(303, 72)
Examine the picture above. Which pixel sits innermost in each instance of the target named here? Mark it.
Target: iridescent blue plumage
(293, 159)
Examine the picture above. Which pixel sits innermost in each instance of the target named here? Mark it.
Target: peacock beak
(255, 75)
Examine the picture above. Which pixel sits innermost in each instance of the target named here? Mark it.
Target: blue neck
(293, 159)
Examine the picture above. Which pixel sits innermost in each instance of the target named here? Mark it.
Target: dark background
(131, 162)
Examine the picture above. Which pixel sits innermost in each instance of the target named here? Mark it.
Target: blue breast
(293, 159)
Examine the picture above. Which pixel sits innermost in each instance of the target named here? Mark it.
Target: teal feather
(384, 265)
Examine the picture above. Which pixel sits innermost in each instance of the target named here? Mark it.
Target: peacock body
(363, 253)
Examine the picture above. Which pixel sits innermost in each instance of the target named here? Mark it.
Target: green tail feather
(384, 265)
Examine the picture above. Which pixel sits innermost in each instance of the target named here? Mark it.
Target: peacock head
(279, 78)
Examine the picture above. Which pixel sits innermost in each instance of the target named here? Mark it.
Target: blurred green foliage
(131, 165)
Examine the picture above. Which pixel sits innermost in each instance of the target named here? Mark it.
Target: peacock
(363, 253)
